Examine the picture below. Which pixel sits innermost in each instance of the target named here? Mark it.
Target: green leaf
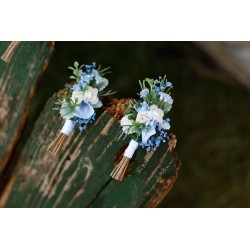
(97, 105)
(149, 81)
(107, 93)
(76, 64)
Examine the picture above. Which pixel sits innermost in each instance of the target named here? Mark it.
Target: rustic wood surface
(17, 85)
(80, 175)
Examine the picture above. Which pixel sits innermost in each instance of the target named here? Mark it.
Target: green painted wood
(80, 175)
(17, 84)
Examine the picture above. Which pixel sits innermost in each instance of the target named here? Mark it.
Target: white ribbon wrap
(132, 146)
(68, 127)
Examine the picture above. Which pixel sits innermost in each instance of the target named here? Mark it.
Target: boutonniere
(79, 100)
(145, 121)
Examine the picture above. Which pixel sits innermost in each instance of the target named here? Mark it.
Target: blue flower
(157, 89)
(148, 131)
(82, 123)
(84, 110)
(143, 107)
(88, 69)
(144, 93)
(169, 84)
(79, 86)
(86, 77)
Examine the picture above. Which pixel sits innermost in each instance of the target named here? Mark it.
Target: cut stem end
(57, 144)
(121, 169)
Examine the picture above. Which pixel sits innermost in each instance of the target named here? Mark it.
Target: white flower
(143, 117)
(165, 125)
(90, 95)
(126, 124)
(166, 98)
(101, 82)
(157, 113)
(77, 95)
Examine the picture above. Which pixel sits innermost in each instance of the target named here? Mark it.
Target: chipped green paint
(17, 84)
(80, 175)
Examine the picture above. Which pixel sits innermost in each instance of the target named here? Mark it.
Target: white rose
(143, 117)
(165, 125)
(126, 124)
(157, 113)
(166, 98)
(77, 95)
(90, 95)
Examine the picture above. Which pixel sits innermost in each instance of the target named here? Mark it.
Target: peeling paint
(106, 129)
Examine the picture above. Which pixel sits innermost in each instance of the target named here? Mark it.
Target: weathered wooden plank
(80, 175)
(233, 57)
(17, 85)
(152, 176)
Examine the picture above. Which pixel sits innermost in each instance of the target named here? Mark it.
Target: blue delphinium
(169, 84)
(144, 92)
(82, 123)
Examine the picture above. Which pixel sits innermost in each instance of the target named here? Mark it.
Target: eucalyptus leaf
(97, 105)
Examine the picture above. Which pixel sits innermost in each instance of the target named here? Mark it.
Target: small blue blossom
(144, 93)
(143, 107)
(77, 87)
(157, 89)
(82, 123)
(80, 85)
(169, 84)
(88, 69)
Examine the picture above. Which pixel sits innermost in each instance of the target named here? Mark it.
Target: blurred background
(210, 115)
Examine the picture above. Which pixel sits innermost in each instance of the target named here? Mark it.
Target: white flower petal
(77, 95)
(90, 95)
(165, 125)
(143, 117)
(156, 113)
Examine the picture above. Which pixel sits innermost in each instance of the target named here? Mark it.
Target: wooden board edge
(164, 186)
(24, 116)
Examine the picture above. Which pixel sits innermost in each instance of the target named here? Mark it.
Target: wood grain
(80, 175)
(233, 57)
(18, 80)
